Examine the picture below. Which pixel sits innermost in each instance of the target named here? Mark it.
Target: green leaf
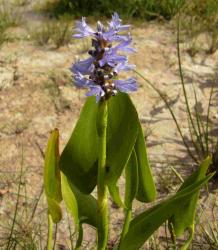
(83, 207)
(131, 176)
(70, 200)
(145, 224)
(52, 180)
(79, 158)
(146, 187)
(122, 132)
(131, 184)
(184, 216)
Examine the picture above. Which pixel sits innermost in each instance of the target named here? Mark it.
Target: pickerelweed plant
(107, 141)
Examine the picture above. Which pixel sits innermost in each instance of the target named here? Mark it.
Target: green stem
(101, 183)
(80, 238)
(188, 241)
(50, 232)
(128, 216)
(55, 236)
(172, 234)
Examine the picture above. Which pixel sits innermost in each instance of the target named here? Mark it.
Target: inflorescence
(100, 71)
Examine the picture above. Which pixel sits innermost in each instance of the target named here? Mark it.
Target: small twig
(40, 150)
(36, 204)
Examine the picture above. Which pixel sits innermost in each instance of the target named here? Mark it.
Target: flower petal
(115, 23)
(84, 67)
(123, 46)
(96, 90)
(83, 29)
(80, 81)
(111, 58)
(124, 66)
(126, 86)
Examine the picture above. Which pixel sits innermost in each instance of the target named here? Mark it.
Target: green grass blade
(208, 117)
(199, 123)
(182, 77)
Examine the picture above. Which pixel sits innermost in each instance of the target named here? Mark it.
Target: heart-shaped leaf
(131, 177)
(83, 207)
(70, 200)
(79, 158)
(146, 187)
(122, 132)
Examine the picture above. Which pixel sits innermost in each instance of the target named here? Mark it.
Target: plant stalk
(80, 238)
(101, 183)
(50, 233)
(128, 216)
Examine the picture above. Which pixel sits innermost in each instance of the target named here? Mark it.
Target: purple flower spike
(99, 72)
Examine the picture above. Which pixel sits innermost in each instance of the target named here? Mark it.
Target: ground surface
(37, 95)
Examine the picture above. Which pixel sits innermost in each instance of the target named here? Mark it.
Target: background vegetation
(146, 9)
(197, 16)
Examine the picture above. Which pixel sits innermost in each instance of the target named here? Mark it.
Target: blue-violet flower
(100, 71)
